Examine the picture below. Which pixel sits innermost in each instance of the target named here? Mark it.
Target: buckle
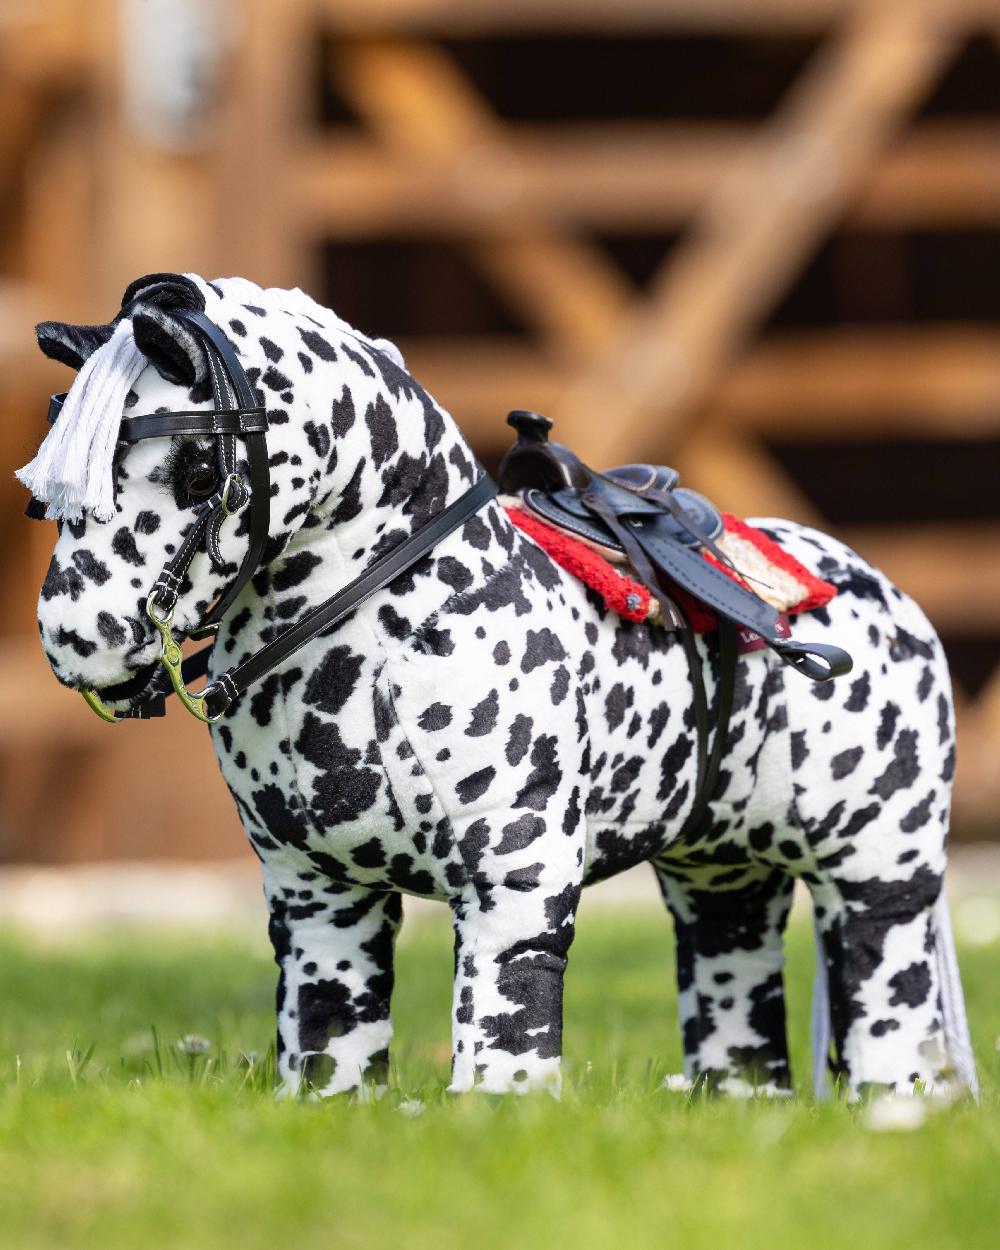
(196, 702)
(234, 494)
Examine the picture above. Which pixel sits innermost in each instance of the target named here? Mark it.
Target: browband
(237, 421)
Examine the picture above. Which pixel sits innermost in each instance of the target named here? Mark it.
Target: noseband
(236, 414)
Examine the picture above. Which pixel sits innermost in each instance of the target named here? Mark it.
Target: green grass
(111, 1138)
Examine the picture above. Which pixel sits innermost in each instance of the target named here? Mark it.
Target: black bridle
(236, 415)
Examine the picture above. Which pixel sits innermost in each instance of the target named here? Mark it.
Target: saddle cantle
(641, 512)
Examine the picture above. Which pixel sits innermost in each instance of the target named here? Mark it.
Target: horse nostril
(110, 630)
(139, 630)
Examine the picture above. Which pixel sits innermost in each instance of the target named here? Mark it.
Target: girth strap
(708, 762)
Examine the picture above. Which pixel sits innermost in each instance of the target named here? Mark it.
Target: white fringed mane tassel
(73, 471)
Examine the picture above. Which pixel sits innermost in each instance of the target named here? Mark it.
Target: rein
(236, 414)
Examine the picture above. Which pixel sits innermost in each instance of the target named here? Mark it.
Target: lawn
(111, 1137)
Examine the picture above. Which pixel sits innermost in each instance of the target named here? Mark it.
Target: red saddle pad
(760, 564)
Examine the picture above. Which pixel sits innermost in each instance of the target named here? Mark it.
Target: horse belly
(640, 765)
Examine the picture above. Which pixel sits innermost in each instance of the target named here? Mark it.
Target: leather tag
(747, 640)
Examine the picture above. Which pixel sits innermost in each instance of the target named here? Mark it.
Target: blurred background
(757, 239)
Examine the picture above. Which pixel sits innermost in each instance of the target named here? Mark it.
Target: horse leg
(729, 972)
(895, 999)
(880, 941)
(334, 952)
(514, 925)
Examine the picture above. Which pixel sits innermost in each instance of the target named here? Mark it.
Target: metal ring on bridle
(233, 484)
(172, 659)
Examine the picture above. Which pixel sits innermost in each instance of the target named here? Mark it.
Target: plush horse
(483, 730)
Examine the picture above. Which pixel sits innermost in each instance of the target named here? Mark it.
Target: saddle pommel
(534, 462)
(531, 427)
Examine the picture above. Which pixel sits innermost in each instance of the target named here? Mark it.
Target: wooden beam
(420, 105)
(480, 379)
(478, 18)
(906, 382)
(987, 708)
(147, 221)
(44, 42)
(619, 176)
(759, 226)
(899, 382)
(942, 174)
(24, 115)
(263, 113)
(742, 476)
(59, 195)
(639, 176)
(21, 305)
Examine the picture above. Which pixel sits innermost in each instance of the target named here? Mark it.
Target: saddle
(641, 513)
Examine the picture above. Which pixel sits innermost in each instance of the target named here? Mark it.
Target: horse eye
(201, 482)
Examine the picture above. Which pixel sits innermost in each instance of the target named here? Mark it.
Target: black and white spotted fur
(485, 733)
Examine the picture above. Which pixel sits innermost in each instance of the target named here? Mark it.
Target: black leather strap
(56, 406)
(708, 763)
(670, 615)
(833, 661)
(227, 688)
(162, 424)
(245, 395)
(728, 598)
(709, 584)
(700, 704)
(232, 374)
(202, 533)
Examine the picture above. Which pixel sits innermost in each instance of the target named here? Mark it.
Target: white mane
(73, 472)
(296, 300)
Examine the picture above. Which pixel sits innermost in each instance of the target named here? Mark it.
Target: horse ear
(173, 349)
(71, 345)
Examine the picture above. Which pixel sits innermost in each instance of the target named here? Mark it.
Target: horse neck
(384, 483)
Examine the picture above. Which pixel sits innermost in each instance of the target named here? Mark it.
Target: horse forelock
(73, 471)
